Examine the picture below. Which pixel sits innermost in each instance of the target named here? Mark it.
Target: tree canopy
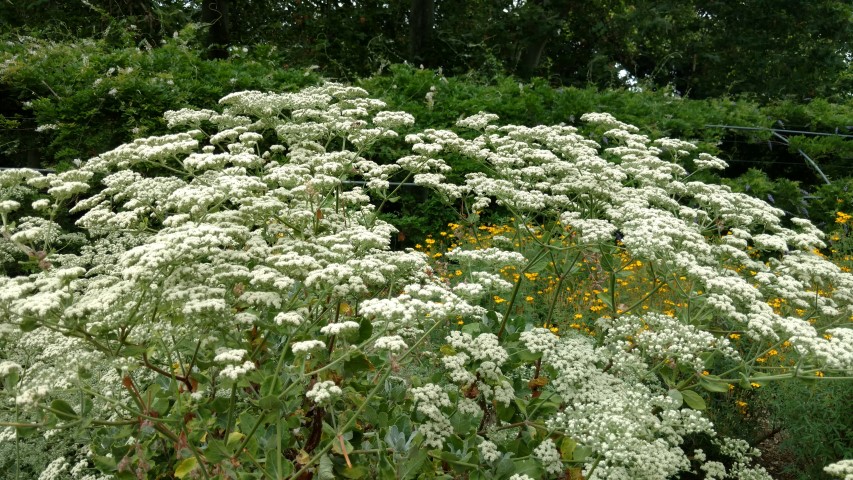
(769, 49)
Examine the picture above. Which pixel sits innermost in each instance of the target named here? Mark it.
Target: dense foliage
(768, 49)
(222, 302)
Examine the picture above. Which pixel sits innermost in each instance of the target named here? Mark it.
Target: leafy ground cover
(223, 302)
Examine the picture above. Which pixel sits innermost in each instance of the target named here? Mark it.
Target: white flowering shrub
(226, 304)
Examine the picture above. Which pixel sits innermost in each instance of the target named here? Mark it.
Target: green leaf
(693, 400)
(133, 350)
(713, 383)
(567, 448)
(676, 395)
(525, 355)
(28, 325)
(11, 380)
(270, 402)
(326, 469)
(185, 467)
(234, 438)
(269, 385)
(357, 363)
(365, 330)
(104, 464)
(581, 453)
(531, 468)
(336, 446)
(63, 410)
(358, 471)
(412, 466)
(462, 424)
(472, 328)
(216, 451)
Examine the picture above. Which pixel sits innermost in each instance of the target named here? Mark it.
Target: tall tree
(215, 13)
(421, 21)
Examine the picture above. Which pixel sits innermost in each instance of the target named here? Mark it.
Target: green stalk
(231, 403)
(516, 289)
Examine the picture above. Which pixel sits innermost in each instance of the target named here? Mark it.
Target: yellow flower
(755, 385)
(458, 273)
(528, 298)
(734, 336)
(429, 241)
(818, 373)
(705, 372)
(498, 299)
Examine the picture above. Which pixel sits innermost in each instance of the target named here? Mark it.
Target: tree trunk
(215, 14)
(531, 56)
(544, 20)
(421, 22)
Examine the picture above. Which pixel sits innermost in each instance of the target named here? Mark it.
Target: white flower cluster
(631, 192)
(7, 206)
(636, 433)
(393, 343)
(478, 121)
(418, 304)
(337, 328)
(548, 455)
(539, 340)
(489, 451)
(478, 359)
(842, 469)
(235, 372)
(307, 346)
(323, 392)
(8, 368)
(663, 338)
(229, 355)
(429, 400)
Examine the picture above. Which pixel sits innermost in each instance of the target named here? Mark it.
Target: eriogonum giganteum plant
(226, 303)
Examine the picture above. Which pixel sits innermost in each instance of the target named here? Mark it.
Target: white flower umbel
(323, 392)
(429, 400)
(235, 372)
(548, 455)
(489, 451)
(227, 355)
(393, 343)
(307, 346)
(337, 328)
(842, 469)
